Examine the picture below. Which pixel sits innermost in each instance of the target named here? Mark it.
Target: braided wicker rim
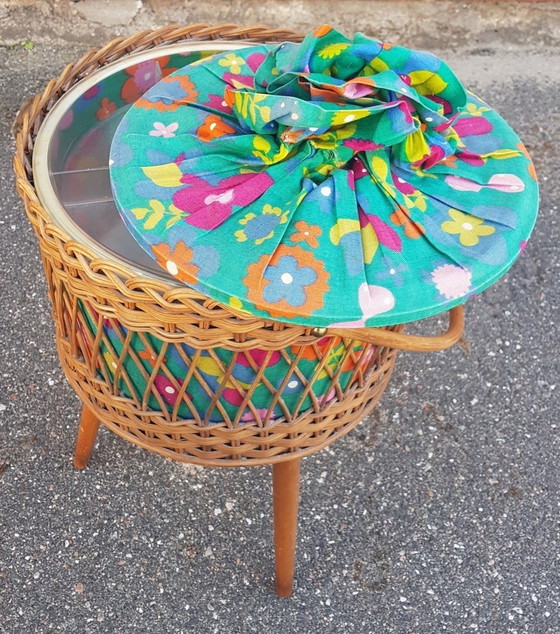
(174, 315)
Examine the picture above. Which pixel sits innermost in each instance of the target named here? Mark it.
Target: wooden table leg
(285, 501)
(87, 433)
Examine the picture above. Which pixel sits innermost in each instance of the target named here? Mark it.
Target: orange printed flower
(450, 161)
(229, 97)
(290, 283)
(172, 92)
(150, 357)
(412, 229)
(322, 30)
(306, 233)
(530, 167)
(213, 127)
(178, 262)
(106, 109)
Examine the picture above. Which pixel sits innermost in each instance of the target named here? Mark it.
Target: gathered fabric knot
(347, 96)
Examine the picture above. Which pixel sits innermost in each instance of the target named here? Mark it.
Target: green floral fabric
(338, 181)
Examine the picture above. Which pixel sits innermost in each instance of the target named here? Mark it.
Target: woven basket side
(91, 296)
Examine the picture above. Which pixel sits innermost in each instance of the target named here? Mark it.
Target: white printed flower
(166, 131)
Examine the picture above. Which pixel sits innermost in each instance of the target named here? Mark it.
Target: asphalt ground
(439, 513)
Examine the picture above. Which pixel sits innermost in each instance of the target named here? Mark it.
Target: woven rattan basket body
(172, 371)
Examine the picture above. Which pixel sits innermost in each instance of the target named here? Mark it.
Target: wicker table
(88, 291)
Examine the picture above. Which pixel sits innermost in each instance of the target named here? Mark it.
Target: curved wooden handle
(402, 341)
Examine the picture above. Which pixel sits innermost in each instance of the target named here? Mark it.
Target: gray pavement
(438, 514)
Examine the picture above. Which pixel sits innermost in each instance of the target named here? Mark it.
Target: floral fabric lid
(338, 181)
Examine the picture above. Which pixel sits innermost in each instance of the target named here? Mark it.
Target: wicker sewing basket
(87, 291)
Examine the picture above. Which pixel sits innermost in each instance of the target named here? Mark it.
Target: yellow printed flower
(426, 82)
(332, 50)
(417, 199)
(474, 110)
(469, 228)
(236, 303)
(233, 62)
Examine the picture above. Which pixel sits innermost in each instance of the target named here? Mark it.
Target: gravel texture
(437, 514)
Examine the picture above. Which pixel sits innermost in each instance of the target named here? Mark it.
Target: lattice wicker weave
(88, 292)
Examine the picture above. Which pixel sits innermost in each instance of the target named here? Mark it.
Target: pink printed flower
(361, 145)
(66, 120)
(92, 92)
(232, 396)
(406, 108)
(386, 235)
(402, 185)
(469, 157)
(165, 131)
(452, 281)
(255, 60)
(357, 169)
(466, 126)
(436, 155)
(330, 396)
(507, 183)
(359, 87)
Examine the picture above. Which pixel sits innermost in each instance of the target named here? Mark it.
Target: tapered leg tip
(284, 590)
(80, 463)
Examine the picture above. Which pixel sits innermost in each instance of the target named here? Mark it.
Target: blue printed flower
(292, 282)
(392, 271)
(168, 94)
(288, 281)
(259, 228)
